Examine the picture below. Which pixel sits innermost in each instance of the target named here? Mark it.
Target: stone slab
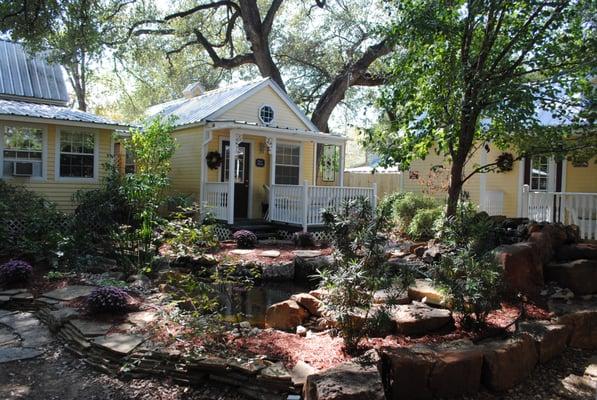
(418, 318)
(20, 321)
(270, 253)
(91, 328)
(307, 253)
(241, 252)
(119, 343)
(142, 318)
(69, 293)
(9, 354)
(424, 291)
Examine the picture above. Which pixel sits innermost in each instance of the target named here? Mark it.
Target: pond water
(251, 304)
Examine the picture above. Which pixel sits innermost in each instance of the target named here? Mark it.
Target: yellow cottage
(283, 169)
(44, 145)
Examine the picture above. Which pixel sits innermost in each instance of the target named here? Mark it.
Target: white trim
(291, 134)
(342, 161)
(521, 165)
(252, 150)
(44, 152)
(315, 154)
(96, 157)
(273, 111)
(301, 158)
(65, 122)
(564, 172)
(283, 95)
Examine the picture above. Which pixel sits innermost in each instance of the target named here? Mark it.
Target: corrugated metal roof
(196, 109)
(24, 75)
(46, 111)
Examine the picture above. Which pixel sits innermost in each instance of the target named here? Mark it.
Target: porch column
(234, 138)
(272, 143)
(342, 157)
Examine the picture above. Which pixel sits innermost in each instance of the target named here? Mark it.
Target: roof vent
(193, 90)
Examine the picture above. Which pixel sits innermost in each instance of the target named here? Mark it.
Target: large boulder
(286, 315)
(523, 267)
(405, 372)
(580, 276)
(277, 271)
(582, 319)
(543, 245)
(310, 302)
(577, 251)
(308, 262)
(550, 338)
(424, 291)
(418, 318)
(506, 363)
(457, 369)
(348, 381)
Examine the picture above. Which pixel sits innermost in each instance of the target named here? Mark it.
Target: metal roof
(32, 78)
(195, 109)
(46, 111)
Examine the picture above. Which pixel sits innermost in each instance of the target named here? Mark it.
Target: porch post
(231, 169)
(342, 157)
(374, 199)
(272, 176)
(305, 204)
(525, 201)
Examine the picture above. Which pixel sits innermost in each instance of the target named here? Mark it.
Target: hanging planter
(214, 159)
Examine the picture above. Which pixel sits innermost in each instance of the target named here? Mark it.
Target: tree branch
(268, 21)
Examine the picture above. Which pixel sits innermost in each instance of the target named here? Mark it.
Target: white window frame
(44, 153)
(96, 136)
(300, 145)
(259, 114)
(551, 176)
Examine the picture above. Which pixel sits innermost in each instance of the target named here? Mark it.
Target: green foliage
(471, 72)
(474, 284)
(408, 205)
(423, 225)
(38, 226)
(360, 268)
(186, 235)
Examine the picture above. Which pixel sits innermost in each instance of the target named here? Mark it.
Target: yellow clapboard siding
(186, 162)
(581, 179)
(248, 110)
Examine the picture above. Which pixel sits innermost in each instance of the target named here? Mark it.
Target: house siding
(582, 179)
(58, 191)
(248, 110)
(185, 173)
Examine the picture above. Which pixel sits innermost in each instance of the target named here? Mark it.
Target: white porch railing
(566, 207)
(216, 199)
(302, 204)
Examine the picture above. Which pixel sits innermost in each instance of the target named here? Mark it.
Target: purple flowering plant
(108, 299)
(15, 271)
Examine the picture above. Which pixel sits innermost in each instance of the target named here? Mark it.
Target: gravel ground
(545, 383)
(59, 376)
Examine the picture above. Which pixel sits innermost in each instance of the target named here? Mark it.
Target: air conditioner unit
(22, 168)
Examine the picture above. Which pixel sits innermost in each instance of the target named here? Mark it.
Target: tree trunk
(455, 186)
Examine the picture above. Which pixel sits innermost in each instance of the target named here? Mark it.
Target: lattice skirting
(223, 232)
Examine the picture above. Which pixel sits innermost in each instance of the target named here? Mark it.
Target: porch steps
(262, 229)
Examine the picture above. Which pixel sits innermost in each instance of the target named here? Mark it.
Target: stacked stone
(17, 299)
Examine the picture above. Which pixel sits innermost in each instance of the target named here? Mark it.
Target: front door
(242, 171)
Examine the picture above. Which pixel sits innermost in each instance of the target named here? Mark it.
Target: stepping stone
(8, 338)
(18, 354)
(91, 328)
(418, 318)
(301, 371)
(241, 252)
(4, 299)
(69, 293)
(142, 318)
(4, 313)
(119, 343)
(307, 253)
(12, 292)
(23, 296)
(270, 253)
(35, 337)
(63, 315)
(20, 321)
(277, 372)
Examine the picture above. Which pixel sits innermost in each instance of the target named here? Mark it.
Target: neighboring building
(44, 145)
(284, 169)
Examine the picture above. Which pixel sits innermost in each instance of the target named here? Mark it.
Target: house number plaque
(260, 162)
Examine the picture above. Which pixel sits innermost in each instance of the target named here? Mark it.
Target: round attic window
(266, 114)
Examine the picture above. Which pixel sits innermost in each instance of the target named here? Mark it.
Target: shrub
(186, 235)
(303, 239)
(423, 225)
(108, 299)
(474, 284)
(360, 269)
(39, 226)
(15, 271)
(245, 239)
(406, 207)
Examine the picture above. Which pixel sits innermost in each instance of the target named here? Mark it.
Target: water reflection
(252, 303)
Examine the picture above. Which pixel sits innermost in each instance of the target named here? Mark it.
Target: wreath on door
(214, 159)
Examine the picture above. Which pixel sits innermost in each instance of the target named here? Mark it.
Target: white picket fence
(302, 204)
(216, 199)
(566, 207)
